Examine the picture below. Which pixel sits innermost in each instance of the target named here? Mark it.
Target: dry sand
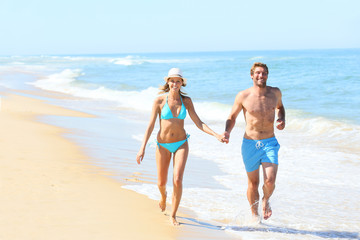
(50, 191)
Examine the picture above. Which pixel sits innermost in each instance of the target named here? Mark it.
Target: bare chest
(260, 106)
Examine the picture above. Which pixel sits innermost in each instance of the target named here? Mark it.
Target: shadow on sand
(329, 234)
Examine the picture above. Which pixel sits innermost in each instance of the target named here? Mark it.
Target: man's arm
(280, 122)
(230, 122)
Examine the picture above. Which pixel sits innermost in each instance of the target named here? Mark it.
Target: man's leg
(270, 170)
(252, 191)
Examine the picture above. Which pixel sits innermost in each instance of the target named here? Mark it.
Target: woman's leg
(180, 158)
(163, 157)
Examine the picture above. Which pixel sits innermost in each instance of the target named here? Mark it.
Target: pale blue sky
(116, 26)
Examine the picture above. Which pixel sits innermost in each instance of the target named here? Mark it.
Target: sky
(31, 27)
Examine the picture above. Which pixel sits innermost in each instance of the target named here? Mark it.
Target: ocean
(317, 191)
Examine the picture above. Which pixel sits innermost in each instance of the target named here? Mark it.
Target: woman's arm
(195, 118)
(149, 129)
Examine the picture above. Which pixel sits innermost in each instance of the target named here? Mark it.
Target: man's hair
(258, 64)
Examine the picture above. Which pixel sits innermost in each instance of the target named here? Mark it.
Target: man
(260, 147)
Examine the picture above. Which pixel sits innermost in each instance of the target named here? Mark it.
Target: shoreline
(50, 185)
(317, 135)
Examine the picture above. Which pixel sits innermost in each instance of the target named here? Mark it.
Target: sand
(51, 190)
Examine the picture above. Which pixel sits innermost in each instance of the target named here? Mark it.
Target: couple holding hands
(259, 103)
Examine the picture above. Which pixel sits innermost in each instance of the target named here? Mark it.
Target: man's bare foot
(162, 203)
(256, 219)
(267, 212)
(174, 221)
(254, 209)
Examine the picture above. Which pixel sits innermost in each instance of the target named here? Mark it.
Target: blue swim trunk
(255, 152)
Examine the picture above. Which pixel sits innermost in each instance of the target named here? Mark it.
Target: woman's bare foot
(174, 221)
(162, 203)
(267, 212)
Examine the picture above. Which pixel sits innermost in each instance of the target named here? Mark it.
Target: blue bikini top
(167, 114)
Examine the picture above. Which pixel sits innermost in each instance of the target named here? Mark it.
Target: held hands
(219, 137)
(140, 156)
(280, 124)
(225, 137)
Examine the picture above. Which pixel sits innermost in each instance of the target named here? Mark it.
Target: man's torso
(259, 113)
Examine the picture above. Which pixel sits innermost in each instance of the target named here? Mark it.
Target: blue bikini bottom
(173, 147)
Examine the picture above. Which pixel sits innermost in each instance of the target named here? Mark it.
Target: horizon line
(175, 52)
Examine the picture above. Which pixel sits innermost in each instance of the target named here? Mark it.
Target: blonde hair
(165, 88)
(258, 64)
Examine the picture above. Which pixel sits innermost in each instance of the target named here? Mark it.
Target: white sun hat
(175, 72)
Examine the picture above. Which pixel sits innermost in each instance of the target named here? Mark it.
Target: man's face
(259, 77)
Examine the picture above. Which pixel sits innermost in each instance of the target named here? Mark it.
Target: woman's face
(175, 83)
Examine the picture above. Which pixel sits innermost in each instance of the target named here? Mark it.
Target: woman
(172, 138)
